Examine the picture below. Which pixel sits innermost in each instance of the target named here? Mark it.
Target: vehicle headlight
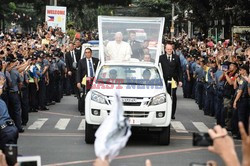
(159, 99)
(98, 97)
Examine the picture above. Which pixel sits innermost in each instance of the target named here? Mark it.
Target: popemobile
(127, 65)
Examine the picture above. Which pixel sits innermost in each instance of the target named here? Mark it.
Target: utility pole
(172, 23)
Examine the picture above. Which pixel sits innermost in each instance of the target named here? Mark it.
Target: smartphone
(202, 139)
(197, 164)
(10, 152)
(224, 67)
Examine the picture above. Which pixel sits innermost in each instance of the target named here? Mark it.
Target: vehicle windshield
(129, 38)
(95, 53)
(133, 75)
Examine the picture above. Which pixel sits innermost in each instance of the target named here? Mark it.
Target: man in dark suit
(136, 46)
(86, 67)
(71, 59)
(171, 67)
(78, 50)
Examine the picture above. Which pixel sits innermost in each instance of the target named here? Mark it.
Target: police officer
(14, 100)
(24, 96)
(8, 82)
(33, 84)
(209, 105)
(187, 78)
(59, 67)
(42, 67)
(8, 130)
(200, 86)
(240, 103)
(218, 94)
(62, 68)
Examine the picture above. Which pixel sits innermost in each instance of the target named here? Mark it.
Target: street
(58, 136)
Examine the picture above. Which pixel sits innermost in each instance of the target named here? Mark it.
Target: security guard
(8, 130)
(240, 103)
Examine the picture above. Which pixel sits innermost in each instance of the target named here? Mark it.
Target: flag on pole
(84, 80)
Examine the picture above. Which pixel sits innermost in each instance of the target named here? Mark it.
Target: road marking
(132, 156)
(201, 127)
(56, 113)
(38, 124)
(62, 124)
(82, 125)
(178, 127)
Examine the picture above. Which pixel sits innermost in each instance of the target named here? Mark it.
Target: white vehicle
(143, 91)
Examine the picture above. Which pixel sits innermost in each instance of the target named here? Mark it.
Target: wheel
(89, 134)
(164, 137)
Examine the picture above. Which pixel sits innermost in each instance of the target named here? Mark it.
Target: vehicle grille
(131, 104)
(134, 114)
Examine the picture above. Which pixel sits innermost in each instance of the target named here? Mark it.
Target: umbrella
(113, 133)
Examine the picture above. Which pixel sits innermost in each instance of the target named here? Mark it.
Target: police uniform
(242, 112)
(61, 67)
(32, 75)
(14, 99)
(209, 105)
(8, 130)
(24, 96)
(218, 96)
(42, 86)
(200, 86)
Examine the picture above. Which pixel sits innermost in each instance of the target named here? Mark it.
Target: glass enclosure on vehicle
(130, 39)
(133, 75)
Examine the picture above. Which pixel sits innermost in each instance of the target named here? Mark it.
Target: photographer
(228, 92)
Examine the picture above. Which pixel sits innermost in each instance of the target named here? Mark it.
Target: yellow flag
(84, 80)
(173, 84)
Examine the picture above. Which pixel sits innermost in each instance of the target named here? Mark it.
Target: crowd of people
(216, 76)
(37, 69)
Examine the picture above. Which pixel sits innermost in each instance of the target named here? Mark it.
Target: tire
(89, 134)
(164, 137)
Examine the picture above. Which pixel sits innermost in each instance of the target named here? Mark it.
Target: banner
(56, 16)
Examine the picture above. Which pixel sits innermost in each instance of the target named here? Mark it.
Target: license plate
(134, 121)
(131, 100)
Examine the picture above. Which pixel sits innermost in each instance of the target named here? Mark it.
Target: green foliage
(71, 33)
(12, 6)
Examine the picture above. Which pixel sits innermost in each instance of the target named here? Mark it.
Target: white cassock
(119, 52)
